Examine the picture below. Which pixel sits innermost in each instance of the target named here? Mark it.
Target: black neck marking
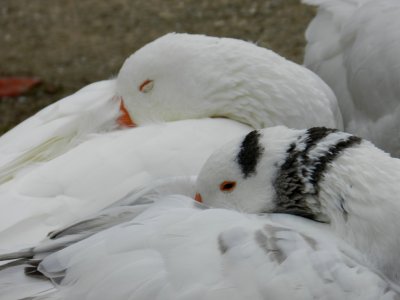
(250, 153)
(333, 152)
(299, 176)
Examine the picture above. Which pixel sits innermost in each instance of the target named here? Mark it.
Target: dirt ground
(70, 43)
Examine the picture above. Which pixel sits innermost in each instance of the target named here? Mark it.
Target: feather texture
(353, 45)
(176, 249)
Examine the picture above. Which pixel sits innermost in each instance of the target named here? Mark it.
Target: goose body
(175, 249)
(101, 170)
(353, 45)
(321, 174)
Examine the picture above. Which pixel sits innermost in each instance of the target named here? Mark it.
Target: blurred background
(70, 43)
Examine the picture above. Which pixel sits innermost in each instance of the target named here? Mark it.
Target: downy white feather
(353, 45)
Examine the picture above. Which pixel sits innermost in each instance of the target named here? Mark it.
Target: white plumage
(197, 76)
(178, 250)
(58, 127)
(100, 171)
(319, 173)
(353, 45)
(177, 77)
(63, 162)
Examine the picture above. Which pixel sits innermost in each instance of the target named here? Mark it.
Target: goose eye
(227, 186)
(146, 86)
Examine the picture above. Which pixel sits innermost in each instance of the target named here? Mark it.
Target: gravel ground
(71, 43)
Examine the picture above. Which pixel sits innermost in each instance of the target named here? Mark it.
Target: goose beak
(125, 120)
(198, 198)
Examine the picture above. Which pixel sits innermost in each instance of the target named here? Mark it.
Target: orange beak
(198, 198)
(125, 119)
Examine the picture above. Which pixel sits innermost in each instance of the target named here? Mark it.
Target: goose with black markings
(320, 174)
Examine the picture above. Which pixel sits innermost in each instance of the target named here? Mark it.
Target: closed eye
(227, 186)
(146, 86)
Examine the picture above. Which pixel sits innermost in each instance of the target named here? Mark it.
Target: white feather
(58, 128)
(102, 170)
(353, 45)
(177, 250)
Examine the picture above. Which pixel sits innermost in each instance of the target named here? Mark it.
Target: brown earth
(71, 43)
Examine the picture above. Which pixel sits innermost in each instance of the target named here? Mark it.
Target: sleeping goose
(157, 243)
(353, 45)
(320, 174)
(197, 76)
(178, 78)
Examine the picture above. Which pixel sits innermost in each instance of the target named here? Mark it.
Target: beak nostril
(198, 198)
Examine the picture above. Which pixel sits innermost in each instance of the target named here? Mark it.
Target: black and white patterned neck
(307, 160)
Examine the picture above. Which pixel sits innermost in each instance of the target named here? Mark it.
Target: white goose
(353, 45)
(321, 174)
(178, 76)
(174, 249)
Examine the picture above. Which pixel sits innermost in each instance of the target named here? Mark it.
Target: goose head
(184, 76)
(276, 170)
